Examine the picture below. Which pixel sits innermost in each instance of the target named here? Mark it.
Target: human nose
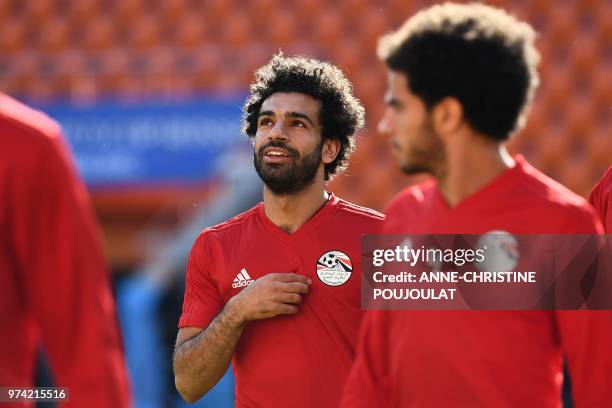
(278, 131)
(385, 125)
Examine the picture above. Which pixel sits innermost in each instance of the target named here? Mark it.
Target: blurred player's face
(288, 146)
(408, 125)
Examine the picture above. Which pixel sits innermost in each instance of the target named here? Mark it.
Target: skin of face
(288, 149)
(408, 125)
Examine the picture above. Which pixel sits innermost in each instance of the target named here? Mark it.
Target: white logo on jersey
(334, 268)
(242, 279)
(502, 251)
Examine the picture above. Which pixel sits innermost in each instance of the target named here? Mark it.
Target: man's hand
(271, 295)
(202, 356)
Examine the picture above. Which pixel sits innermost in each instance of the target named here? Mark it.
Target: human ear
(330, 150)
(447, 116)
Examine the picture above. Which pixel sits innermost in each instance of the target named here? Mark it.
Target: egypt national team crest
(334, 268)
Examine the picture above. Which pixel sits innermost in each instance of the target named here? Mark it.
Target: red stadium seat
(209, 70)
(237, 30)
(171, 12)
(100, 34)
(327, 29)
(126, 11)
(600, 147)
(218, 10)
(556, 84)
(284, 30)
(308, 11)
(262, 10)
(253, 57)
(144, 32)
(83, 11)
(349, 59)
(604, 28)
(357, 10)
(554, 149)
(13, 36)
(574, 172)
(399, 11)
(585, 53)
(191, 31)
(54, 35)
(38, 11)
(5, 10)
(564, 23)
(376, 26)
(601, 78)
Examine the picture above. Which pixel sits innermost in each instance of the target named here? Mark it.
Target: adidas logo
(242, 279)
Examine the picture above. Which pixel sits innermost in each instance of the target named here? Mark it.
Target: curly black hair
(341, 116)
(476, 53)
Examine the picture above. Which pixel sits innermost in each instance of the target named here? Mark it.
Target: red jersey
(55, 286)
(286, 361)
(601, 199)
(485, 358)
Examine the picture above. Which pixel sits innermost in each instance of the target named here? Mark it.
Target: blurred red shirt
(55, 287)
(485, 358)
(601, 199)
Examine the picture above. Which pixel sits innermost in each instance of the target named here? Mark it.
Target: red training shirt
(55, 286)
(286, 361)
(485, 358)
(601, 199)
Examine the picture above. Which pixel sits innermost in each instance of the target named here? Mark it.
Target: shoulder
(571, 210)
(349, 209)
(227, 231)
(20, 120)
(412, 197)
(602, 190)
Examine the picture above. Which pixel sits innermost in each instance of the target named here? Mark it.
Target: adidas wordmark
(242, 279)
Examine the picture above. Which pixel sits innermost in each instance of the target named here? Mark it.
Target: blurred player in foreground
(601, 199)
(278, 287)
(460, 78)
(55, 287)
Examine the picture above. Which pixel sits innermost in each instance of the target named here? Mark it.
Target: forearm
(200, 362)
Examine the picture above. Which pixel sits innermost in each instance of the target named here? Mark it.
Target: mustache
(280, 145)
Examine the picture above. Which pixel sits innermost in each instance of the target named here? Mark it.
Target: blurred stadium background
(149, 95)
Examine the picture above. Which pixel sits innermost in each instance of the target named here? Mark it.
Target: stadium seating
(131, 48)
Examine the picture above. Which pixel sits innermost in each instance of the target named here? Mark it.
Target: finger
(286, 309)
(292, 277)
(291, 298)
(294, 287)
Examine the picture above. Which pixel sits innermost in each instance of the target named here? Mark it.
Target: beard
(287, 178)
(427, 157)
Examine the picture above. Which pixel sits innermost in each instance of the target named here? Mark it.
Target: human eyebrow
(393, 102)
(265, 113)
(300, 116)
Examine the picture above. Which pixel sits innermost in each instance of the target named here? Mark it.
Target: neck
(471, 166)
(290, 212)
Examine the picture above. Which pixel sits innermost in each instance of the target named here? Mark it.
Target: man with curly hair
(460, 80)
(278, 287)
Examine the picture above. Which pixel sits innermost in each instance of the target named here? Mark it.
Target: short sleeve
(202, 301)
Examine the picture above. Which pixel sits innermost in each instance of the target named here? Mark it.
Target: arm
(65, 279)
(201, 357)
(586, 336)
(367, 382)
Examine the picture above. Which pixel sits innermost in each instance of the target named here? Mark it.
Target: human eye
(298, 123)
(265, 121)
